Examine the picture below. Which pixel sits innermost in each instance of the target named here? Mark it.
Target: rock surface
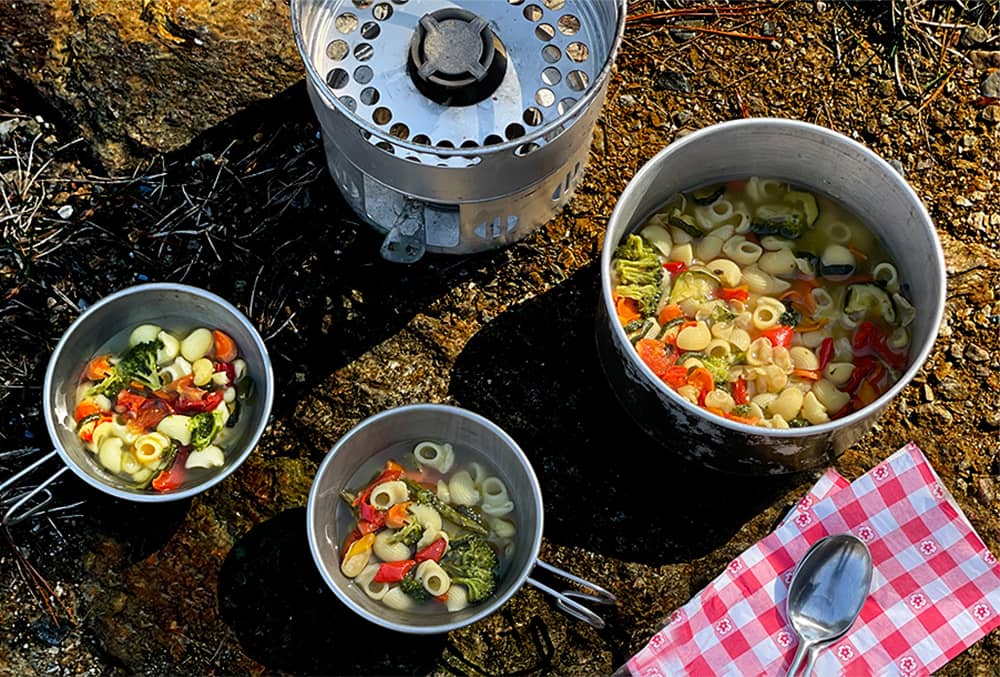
(142, 77)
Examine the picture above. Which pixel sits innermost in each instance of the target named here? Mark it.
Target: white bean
(197, 344)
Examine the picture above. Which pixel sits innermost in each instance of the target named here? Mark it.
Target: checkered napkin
(935, 589)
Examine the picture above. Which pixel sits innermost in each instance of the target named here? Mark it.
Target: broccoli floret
(718, 367)
(413, 587)
(639, 272)
(427, 497)
(137, 364)
(140, 364)
(742, 410)
(790, 317)
(722, 313)
(472, 562)
(204, 427)
(648, 296)
(409, 534)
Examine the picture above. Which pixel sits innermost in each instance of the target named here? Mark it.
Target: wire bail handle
(11, 515)
(566, 600)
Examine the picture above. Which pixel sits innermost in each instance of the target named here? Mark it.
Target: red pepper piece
(386, 476)
(370, 513)
(779, 336)
(862, 367)
(433, 551)
(735, 294)
(208, 402)
(393, 572)
(676, 376)
(825, 353)
(229, 369)
(740, 395)
(174, 476)
(675, 267)
(864, 335)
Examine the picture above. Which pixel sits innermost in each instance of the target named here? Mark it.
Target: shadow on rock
(285, 617)
(608, 487)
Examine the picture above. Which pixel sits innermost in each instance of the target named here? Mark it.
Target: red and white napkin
(935, 590)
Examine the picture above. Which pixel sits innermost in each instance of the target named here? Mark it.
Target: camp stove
(456, 127)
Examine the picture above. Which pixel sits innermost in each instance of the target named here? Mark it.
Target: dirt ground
(223, 584)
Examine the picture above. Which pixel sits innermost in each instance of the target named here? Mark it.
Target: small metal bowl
(823, 161)
(173, 307)
(463, 429)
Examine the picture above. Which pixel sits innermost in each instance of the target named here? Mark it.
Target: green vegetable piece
(639, 272)
(718, 367)
(778, 219)
(791, 317)
(806, 202)
(409, 534)
(413, 587)
(868, 299)
(137, 364)
(706, 195)
(472, 562)
(686, 223)
(742, 410)
(798, 423)
(699, 285)
(427, 497)
(204, 427)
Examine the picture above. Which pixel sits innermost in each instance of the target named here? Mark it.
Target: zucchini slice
(706, 195)
(686, 223)
(869, 299)
(699, 285)
(778, 219)
(806, 202)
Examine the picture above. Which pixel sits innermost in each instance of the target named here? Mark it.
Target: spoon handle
(799, 655)
(813, 650)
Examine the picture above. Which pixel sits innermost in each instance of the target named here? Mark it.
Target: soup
(162, 409)
(763, 303)
(430, 532)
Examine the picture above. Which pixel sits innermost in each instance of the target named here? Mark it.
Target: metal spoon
(827, 591)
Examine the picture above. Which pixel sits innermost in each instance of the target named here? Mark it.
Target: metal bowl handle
(566, 600)
(12, 516)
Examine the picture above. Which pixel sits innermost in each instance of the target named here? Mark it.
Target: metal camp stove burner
(455, 59)
(457, 126)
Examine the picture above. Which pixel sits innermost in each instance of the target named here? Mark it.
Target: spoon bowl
(828, 588)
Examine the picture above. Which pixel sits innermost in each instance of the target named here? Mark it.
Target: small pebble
(985, 491)
(973, 35)
(769, 29)
(65, 211)
(976, 354)
(991, 86)
(627, 100)
(992, 418)
(984, 60)
(682, 117)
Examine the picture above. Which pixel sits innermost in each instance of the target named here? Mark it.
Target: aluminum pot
(461, 428)
(823, 161)
(174, 307)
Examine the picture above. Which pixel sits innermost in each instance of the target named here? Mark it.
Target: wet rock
(991, 86)
(952, 389)
(672, 80)
(985, 491)
(142, 77)
(974, 353)
(984, 60)
(973, 35)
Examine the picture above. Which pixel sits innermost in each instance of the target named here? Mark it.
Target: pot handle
(23, 502)
(566, 600)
